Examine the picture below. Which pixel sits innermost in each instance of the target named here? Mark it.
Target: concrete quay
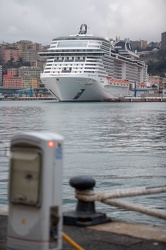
(136, 99)
(120, 99)
(114, 235)
(27, 98)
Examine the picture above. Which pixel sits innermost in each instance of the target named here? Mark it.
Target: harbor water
(121, 145)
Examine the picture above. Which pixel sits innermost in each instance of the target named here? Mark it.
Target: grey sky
(42, 20)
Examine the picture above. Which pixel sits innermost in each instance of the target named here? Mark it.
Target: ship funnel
(83, 29)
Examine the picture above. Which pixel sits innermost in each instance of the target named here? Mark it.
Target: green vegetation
(156, 63)
(12, 64)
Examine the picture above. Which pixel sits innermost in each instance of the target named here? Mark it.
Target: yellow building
(28, 81)
(34, 82)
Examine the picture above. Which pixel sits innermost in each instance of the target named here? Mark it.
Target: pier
(28, 98)
(116, 99)
(114, 235)
(136, 99)
(87, 229)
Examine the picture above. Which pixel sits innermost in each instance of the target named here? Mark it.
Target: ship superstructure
(84, 67)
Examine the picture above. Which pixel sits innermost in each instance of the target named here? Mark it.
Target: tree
(10, 63)
(19, 62)
(157, 63)
(26, 64)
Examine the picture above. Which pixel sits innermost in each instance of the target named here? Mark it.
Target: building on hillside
(36, 47)
(10, 81)
(162, 87)
(12, 71)
(10, 53)
(23, 77)
(29, 56)
(2, 47)
(29, 71)
(141, 44)
(38, 63)
(156, 80)
(28, 45)
(153, 45)
(23, 45)
(1, 75)
(28, 81)
(163, 41)
(34, 82)
(28, 51)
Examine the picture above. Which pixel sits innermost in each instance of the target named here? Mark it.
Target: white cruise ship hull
(81, 88)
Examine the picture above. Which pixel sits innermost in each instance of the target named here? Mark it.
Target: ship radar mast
(83, 29)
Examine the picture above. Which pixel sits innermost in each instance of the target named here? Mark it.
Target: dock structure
(115, 235)
(135, 99)
(85, 228)
(28, 98)
(115, 99)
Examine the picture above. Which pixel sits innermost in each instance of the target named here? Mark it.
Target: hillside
(156, 61)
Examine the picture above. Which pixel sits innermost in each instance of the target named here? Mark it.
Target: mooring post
(85, 213)
(82, 183)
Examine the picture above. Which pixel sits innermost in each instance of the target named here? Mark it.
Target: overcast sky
(42, 20)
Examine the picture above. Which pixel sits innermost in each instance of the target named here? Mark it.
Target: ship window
(72, 44)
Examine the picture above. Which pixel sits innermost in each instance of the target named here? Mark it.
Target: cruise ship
(84, 67)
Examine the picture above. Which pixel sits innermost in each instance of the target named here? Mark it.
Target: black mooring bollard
(83, 183)
(85, 213)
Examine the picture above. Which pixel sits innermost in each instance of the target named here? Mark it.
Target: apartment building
(144, 44)
(23, 45)
(156, 80)
(29, 71)
(23, 77)
(10, 81)
(12, 71)
(30, 76)
(10, 53)
(34, 82)
(163, 41)
(29, 56)
(28, 81)
(0, 75)
(141, 44)
(2, 47)
(36, 46)
(27, 50)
